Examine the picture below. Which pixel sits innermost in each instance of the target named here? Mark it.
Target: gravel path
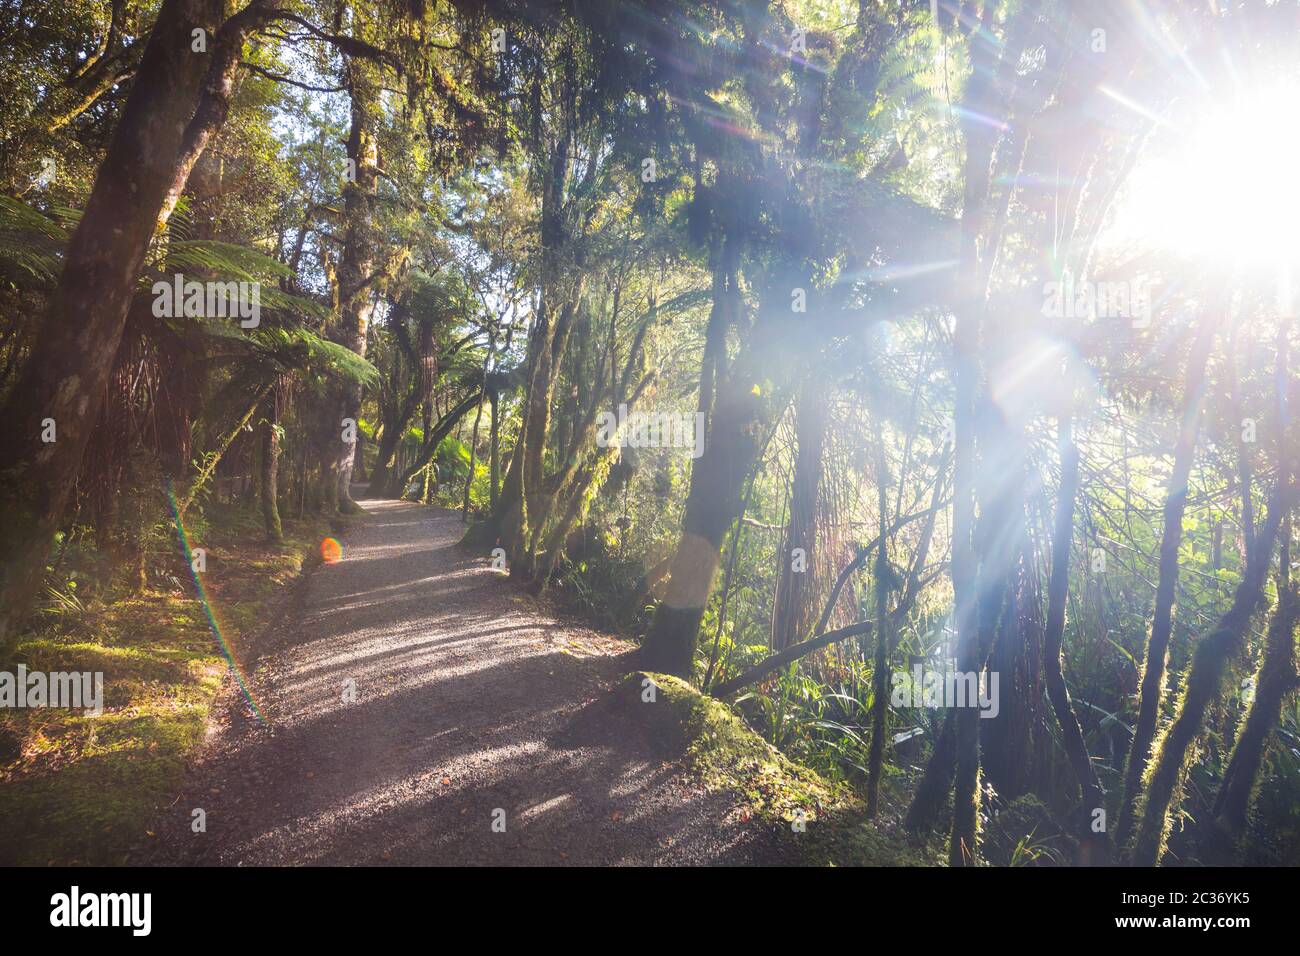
(469, 699)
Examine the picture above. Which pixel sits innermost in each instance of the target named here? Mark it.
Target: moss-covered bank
(819, 823)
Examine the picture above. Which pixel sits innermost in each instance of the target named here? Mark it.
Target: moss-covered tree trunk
(523, 477)
(532, 513)
(1211, 658)
(1203, 684)
(62, 385)
(1274, 682)
(588, 466)
(358, 262)
(1157, 650)
(577, 496)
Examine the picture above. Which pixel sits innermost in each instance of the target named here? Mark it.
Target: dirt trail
(469, 699)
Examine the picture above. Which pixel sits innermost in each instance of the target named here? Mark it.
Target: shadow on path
(469, 699)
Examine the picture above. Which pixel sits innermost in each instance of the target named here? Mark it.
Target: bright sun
(1223, 188)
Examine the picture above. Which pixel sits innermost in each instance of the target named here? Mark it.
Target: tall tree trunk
(532, 511)
(925, 810)
(741, 415)
(980, 139)
(1276, 679)
(1210, 660)
(1204, 682)
(523, 477)
(711, 507)
(1153, 671)
(494, 452)
(219, 85)
(271, 466)
(1093, 844)
(357, 264)
(1010, 608)
(988, 94)
(65, 375)
(359, 458)
(509, 497)
(325, 494)
(382, 475)
(473, 440)
(724, 313)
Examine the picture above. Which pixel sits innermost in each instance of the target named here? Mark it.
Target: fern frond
(231, 261)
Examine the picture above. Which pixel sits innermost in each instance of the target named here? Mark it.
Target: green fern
(31, 242)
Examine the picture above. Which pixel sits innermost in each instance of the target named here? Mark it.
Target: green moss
(721, 750)
(81, 790)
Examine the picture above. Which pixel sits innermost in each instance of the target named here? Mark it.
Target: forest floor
(472, 704)
(80, 789)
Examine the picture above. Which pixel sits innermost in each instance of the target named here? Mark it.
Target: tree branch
(776, 661)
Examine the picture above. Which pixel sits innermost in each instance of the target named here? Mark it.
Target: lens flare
(331, 551)
(208, 609)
